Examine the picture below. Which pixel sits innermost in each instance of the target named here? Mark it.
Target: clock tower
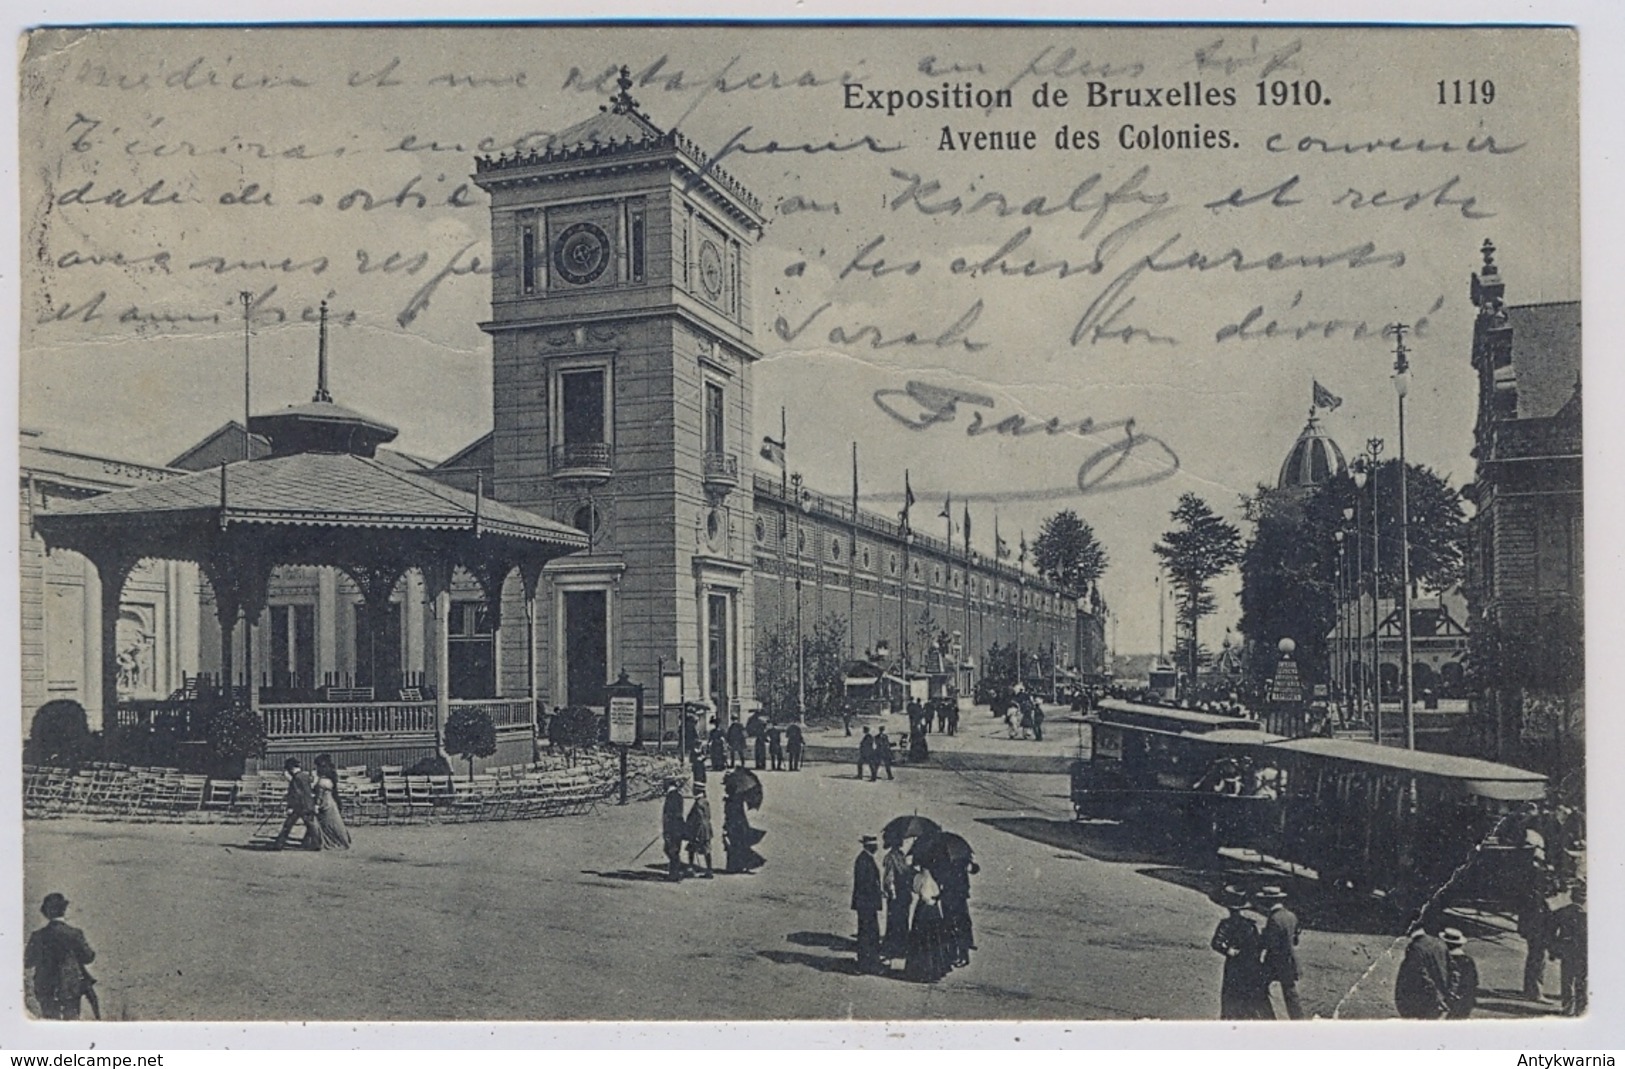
(622, 361)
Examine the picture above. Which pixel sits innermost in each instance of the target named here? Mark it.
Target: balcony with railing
(721, 472)
(582, 462)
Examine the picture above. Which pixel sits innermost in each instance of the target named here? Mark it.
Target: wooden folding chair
(396, 803)
(419, 797)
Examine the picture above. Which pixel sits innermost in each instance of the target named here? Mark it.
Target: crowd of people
(1437, 978)
(1552, 837)
(924, 891)
(774, 747)
(686, 827)
(1256, 958)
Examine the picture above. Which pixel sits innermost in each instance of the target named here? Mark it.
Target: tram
(1406, 824)
(1174, 770)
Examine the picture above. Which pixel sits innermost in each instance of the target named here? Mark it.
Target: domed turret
(1314, 458)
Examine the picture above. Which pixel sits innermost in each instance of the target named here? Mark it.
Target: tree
(1067, 553)
(60, 734)
(234, 732)
(575, 727)
(1199, 550)
(824, 648)
(1289, 568)
(470, 734)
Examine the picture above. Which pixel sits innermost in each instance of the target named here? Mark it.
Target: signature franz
(1100, 472)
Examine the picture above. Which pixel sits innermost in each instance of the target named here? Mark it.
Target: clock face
(711, 270)
(581, 253)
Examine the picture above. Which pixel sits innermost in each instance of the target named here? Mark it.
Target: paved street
(560, 919)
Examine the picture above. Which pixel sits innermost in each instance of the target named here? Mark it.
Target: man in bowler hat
(866, 901)
(54, 963)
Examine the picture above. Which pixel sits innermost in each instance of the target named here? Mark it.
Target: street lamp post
(1373, 452)
(1356, 654)
(1402, 383)
(1340, 671)
(801, 645)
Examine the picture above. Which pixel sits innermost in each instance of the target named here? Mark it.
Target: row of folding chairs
(165, 793)
(109, 790)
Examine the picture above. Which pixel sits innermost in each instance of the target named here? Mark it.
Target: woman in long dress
(329, 820)
(739, 839)
(929, 958)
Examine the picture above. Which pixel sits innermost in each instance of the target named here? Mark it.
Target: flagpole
(784, 522)
(902, 593)
(964, 652)
(852, 568)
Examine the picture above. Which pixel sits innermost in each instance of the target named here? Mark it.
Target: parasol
(743, 782)
(909, 827)
(942, 844)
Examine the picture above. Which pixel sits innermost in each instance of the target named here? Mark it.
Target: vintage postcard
(660, 522)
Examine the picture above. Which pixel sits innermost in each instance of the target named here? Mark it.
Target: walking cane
(645, 850)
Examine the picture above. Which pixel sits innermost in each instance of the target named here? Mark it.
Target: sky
(900, 267)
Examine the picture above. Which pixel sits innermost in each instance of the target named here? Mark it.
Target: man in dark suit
(736, 744)
(54, 963)
(1422, 985)
(883, 755)
(796, 742)
(1569, 946)
(1280, 938)
(866, 754)
(301, 803)
(866, 901)
(673, 828)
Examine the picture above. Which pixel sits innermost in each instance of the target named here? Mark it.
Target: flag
(908, 502)
(1324, 398)
(1024, 548)
(1001, 548)
(967, 527)
(773, 449)
(947, 512)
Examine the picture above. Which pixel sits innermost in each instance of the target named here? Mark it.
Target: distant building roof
(1313, 459)
(222, 445)
(317, 490)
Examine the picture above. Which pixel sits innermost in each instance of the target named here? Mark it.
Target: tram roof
(1161, 717)
(1434, 764)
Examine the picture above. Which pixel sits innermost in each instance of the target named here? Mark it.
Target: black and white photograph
(827, 522)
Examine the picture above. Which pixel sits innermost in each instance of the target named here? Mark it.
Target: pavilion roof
(317, 490)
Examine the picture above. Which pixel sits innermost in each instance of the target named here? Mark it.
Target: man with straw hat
(866, 901)
(1280, 940)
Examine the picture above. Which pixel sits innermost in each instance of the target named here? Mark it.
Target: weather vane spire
(624, 104)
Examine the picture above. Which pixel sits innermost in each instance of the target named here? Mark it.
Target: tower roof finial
(321, 360)
(624, 104)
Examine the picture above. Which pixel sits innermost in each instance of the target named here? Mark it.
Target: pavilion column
(530, 573)
(377, 583)
(221, 574)
(491, 573)
(437, 588)
(112, 569)
(253, 592)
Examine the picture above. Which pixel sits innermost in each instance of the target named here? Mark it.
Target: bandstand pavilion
(323, 498)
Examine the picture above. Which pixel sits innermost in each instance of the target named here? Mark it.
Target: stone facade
(1525, 585)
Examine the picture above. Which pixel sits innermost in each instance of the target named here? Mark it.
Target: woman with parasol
(741, 788)
(929, 958)
(948, 857)
(897, 879)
